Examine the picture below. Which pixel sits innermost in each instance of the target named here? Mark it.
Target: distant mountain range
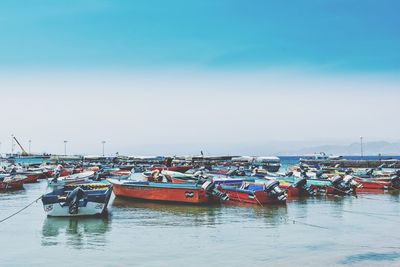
(369, 148)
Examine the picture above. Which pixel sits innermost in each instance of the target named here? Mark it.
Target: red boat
(121, 174)
(183, 193)
(30, 177)
(12, 182)
(258, 194)
(379, 185)
(182, 169)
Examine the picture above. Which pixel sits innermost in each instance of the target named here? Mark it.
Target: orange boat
(169, 192)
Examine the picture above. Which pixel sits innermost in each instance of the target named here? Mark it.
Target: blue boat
(81, 199)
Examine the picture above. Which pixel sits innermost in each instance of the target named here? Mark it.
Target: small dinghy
(70, 179)
(81, 199)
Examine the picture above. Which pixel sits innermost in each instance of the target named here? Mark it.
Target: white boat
(70, 179)
(89, 199)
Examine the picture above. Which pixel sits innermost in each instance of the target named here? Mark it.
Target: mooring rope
(15, 213)
(371, 213)
(294, 221)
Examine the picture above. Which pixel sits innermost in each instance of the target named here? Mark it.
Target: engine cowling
(395, 182)
(211, 189)
(73, 199)
(340, 186)
(273, 190)
(301, 184)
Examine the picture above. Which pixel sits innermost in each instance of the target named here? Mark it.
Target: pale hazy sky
(150, 112)
(156, 77)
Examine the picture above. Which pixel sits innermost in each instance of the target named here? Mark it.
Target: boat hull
(91, 209)
(92, 206)
(31, 178)
(12, 185)
(182, 194)
(247, 196)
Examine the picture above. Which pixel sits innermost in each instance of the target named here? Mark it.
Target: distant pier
(387, 163)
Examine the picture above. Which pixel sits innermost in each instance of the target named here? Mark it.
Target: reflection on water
(166, 214)
(356, 232)
(75, 232)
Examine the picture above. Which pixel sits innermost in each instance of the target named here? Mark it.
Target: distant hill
(370, 148)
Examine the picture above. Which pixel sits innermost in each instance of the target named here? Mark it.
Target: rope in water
(308, 224)
(371, 213)
(24, 208)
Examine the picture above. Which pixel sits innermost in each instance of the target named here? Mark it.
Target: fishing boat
(70, 179)
(296, 188)
(370, 184)
(169, 192)
(119, 174)
(259, 194)
(172, 168)
(31, 176)
(11, 182)
(81, 199)
(177, 177)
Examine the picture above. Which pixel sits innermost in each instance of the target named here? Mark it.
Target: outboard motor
(340, 186)
(301, 184)
(211, 189)
(13, 171)
(395, 181)
(274, 191)
(369, 172)
(73, 199)
(56, 174)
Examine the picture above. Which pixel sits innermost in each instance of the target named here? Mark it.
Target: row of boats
(77, 189)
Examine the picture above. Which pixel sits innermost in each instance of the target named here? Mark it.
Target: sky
(177, 77)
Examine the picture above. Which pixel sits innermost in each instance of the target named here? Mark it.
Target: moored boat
(172, 168)
(169, 192)
(85, 199)
(70, 179)
(12, 182)
(31, 177)
(260, 194)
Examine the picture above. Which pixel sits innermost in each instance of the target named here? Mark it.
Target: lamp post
(12, 144)
(361, 145)
(65, 147)
(30, 141)
(103, 143)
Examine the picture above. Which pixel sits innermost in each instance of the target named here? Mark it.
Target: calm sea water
(325, 231)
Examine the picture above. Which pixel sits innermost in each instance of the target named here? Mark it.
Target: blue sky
(181, 76)
(332, 36)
